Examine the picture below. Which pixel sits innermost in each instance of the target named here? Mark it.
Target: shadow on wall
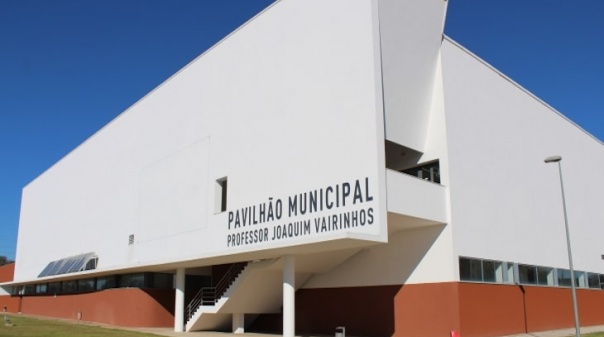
(364, 311)
(378, 310)
(408, 248)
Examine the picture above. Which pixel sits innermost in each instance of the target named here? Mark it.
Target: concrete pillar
(238, 323)
(289, 296)
(179, 303)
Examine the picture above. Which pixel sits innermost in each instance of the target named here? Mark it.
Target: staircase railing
(211, 295)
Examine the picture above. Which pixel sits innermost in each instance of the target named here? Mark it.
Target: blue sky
(67, 67)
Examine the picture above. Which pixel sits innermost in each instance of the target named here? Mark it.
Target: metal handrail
(211, 295)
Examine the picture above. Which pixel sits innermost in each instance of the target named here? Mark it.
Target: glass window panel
(29, 289)
(163, 281)
(510, 272)
(498, 272)
(69, 287)
(564, 278)
(101, 283)
(124, 281)
(545, 276)
(86, 285)
(527, 274)
(488, 271)
(580, 279)
(593, 280)
(54, 288)
(523, 274)
(475, 270)
(132, 281)
(91, 264)
(464, 269)
(41, 288)
(137, 281)
(106, 282)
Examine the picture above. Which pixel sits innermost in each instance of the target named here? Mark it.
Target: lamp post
(557, 159)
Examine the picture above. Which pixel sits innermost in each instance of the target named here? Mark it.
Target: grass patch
(31, 327)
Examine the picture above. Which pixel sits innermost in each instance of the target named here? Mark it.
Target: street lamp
(557, 159)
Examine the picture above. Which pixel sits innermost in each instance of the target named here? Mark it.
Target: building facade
(330, 163)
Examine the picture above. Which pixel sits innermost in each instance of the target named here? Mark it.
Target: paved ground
(561, 333)
(170, 332)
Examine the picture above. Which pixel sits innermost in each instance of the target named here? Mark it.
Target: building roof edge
(504, 76)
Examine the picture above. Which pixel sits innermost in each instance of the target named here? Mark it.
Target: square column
(289, 296)
(179, 302)
(238, 323)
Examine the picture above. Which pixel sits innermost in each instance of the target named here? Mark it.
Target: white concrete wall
(289, 103)
(505, 201)
(418, 255)
(411, 32)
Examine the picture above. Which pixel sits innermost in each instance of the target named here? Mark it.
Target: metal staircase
(253, 288)
(211, 295)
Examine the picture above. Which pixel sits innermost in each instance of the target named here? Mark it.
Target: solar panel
(47, 269)
(70, 264)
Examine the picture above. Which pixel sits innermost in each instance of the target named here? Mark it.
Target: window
(545, 276)
(163, 281)
(106, 282)
(69, 287)
(54, 288)
(510, 273)
(41, 288)
(564, 278)
(220, 196)
(91, 264)
(429, 171)
(580, 280)
(478, 270)
(470, 269)
(492, 271)
(527, 274)
(593, 280)
(86, 285)
(29, 289)
(132, 281)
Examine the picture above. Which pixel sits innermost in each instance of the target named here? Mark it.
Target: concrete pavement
(562, 332)
(170, 333)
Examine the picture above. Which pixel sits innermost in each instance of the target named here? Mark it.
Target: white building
(280, 168)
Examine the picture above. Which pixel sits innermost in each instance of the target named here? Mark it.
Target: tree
(4, 260)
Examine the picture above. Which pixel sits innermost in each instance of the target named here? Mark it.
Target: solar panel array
(70, 264)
